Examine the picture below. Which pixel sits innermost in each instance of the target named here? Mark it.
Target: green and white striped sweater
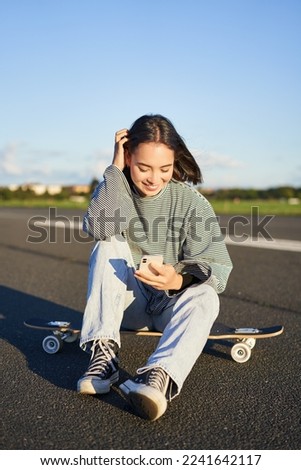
(178, 223)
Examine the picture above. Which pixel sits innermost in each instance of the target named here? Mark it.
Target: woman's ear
(127, 157)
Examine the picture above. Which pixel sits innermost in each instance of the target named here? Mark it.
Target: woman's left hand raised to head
(166, 277)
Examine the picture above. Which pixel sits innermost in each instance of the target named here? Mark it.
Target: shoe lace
(102, 354)
(157, 378)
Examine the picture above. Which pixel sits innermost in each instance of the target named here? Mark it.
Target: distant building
(80, 189)
(39, 189)
(53, 189)
(13, 187)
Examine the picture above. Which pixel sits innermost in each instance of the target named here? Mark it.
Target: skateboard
(244, 338)
(61, 331)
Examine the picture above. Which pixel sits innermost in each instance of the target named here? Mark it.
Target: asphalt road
(223, 405)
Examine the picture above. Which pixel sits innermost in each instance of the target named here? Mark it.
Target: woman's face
(151, 167)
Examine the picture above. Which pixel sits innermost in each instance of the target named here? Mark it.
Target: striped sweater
(178, 223)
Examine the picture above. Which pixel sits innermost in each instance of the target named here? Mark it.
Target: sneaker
(103, 369)
(147, 393)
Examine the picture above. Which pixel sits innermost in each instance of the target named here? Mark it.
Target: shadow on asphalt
(62, 369)
(17, 306)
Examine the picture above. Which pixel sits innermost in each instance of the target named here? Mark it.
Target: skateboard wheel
(71, 338)
(52, 344)
(241, 352)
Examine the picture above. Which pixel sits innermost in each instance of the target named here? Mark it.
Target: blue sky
(226, 72)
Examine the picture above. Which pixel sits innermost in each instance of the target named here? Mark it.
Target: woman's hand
(166, 278)
(119, 152)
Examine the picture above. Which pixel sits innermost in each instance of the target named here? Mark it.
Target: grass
(266, 207)
(47, 202)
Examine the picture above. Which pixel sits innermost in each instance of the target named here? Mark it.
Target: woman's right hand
(119, 152)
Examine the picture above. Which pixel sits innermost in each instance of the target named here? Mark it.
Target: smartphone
(145, 267)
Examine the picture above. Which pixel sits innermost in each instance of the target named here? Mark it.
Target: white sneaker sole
(147, 402)
(96, 386)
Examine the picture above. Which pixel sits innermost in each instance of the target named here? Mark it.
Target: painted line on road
(244, 242)
(274, 244)
(67, 224)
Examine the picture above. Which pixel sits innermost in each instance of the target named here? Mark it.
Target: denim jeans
(116, 299)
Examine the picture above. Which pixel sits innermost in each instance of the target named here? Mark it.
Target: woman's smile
(151, 167)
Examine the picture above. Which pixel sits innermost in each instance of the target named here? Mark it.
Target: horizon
(15, 187)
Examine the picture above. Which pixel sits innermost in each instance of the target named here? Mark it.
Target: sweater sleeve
(205, 254)
(110, 207)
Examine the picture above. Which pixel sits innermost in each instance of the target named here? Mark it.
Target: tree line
(281, 192)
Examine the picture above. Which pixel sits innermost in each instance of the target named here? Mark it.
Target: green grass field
(47, 202)
(266, 207)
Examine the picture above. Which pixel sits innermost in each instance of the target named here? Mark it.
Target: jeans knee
(213, 299)
(207, 299)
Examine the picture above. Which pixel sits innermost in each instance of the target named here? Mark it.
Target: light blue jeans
(116, 299)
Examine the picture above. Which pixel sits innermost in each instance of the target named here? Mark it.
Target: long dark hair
(157, 128)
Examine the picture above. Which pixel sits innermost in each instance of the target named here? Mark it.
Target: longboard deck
(219, 330)
(50, 325)
(241, 351)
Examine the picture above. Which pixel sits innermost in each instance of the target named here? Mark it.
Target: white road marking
(242, 241)
(274, 244)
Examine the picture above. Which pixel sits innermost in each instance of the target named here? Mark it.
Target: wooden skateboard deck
(240, 351)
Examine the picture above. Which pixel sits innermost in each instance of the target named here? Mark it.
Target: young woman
(146, 205)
